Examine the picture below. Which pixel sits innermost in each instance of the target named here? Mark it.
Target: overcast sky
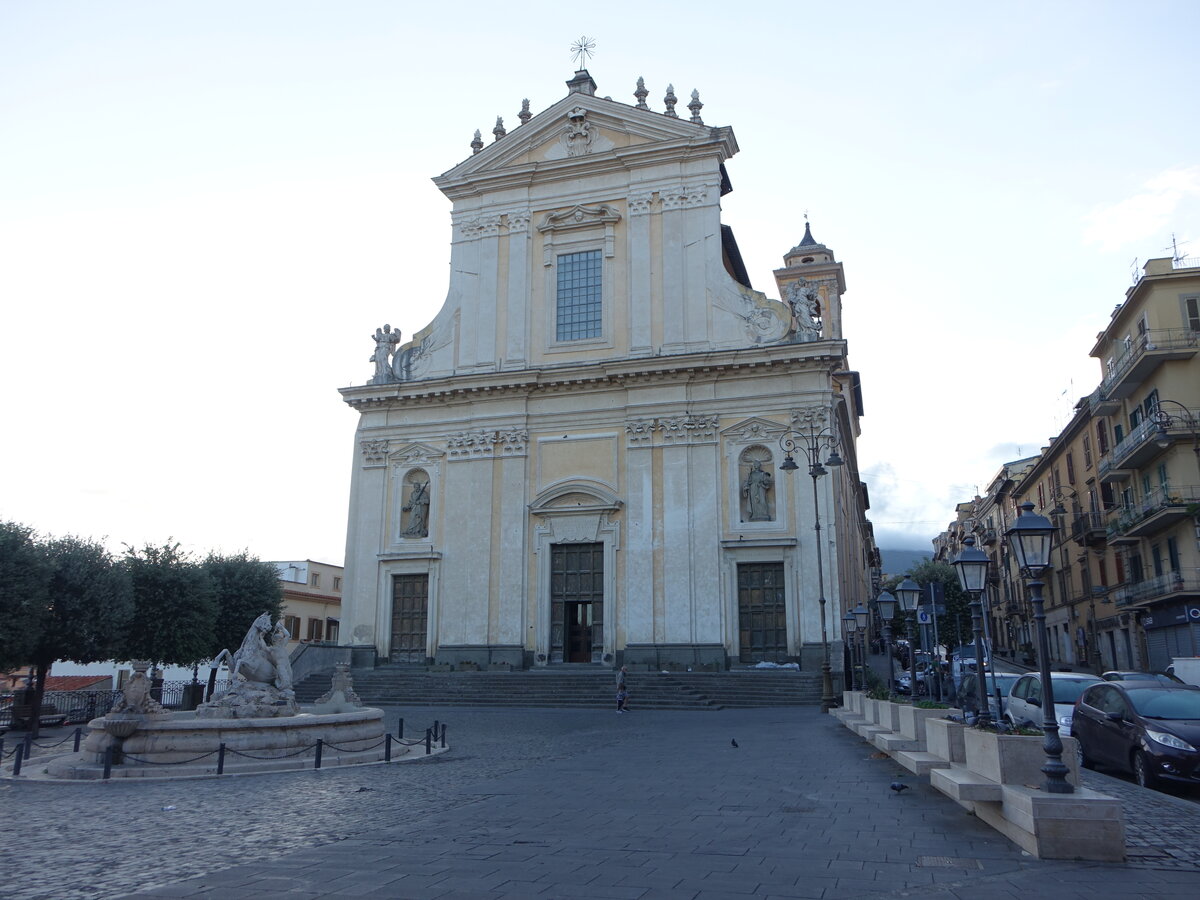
(206, 209)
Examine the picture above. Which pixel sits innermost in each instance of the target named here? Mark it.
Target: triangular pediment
(579, 126)
(414, 454)
(754, 429)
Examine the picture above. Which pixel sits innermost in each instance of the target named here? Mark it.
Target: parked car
(1025, 698)
(1160, 677)
(1146, 728)
(1004, 682)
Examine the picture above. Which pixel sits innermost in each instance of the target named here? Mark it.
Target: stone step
(575, 688)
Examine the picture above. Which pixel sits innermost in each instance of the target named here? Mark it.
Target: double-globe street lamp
(813, 443)
(1030, 538)
(862, 625)
(850, 629)
(972, 566)
(885, 604)
(908, 592)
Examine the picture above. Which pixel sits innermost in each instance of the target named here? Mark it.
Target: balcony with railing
(1172, 585)
(1160, 509)
(1143, 355)
(1089, 529)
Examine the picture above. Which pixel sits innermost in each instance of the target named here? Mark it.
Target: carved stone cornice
(483, 444)
(480, 226)
(672, 430)
(685, 196)
(374, 452)
(818, 358)
(810, 417)
(518, 220)
(640, 203)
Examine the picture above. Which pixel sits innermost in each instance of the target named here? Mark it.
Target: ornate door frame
(574, 511)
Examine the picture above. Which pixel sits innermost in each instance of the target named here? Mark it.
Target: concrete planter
(945, 739)
(1013, 758)
(913, 719)
(888, 714)
(870, 710)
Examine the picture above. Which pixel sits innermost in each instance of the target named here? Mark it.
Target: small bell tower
(811, 270)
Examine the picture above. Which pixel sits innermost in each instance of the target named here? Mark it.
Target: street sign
(923, 616)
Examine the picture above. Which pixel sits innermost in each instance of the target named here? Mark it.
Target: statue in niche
(756, 490)
(386, 342)
(805, 303)
(417, 508)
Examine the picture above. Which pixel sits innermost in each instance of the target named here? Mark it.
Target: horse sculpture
(260, 675)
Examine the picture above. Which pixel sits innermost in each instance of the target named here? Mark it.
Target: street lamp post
(908, 592)
(885, 603)
(812, 443)
(1030, 538)
(862, 624)
(1165, 421)
(850, 628)
(972, 566)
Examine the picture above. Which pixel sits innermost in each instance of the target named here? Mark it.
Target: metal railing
(1157, 500)
(1154, 339)
(1153, 588)
(82, 706)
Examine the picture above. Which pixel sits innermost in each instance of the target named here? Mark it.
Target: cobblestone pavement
(568, 803)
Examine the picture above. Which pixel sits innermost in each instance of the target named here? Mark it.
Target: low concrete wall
(318, 659)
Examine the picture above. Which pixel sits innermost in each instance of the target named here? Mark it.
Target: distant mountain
(897, 562)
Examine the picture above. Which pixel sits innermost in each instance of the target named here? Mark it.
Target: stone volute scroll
(415, 521)
(757, 484)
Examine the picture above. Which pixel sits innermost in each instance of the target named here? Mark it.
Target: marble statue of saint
(755, 489)
(386, 342)
(418, 510)
(804, 301)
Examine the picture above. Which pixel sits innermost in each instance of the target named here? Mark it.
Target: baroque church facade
(584, 457)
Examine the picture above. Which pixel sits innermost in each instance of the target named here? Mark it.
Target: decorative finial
(524, 115)
(695, 106)
(641, 93)
(477, 144)
(670, 99)
(499, 131)
(582, 50)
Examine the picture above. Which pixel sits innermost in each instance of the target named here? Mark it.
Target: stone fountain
(257, 721)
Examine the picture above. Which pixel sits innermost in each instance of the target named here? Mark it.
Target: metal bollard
(17, 763)
(78, 737)
(320, 745)
(1, 749)
(387, 748)
(221, 759)
(28, 745)
(428, 741)
(108, 753)
(443, 735)
(435, 729)
(400, 729)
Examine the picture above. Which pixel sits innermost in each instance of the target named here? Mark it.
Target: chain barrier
(175, 762)
(434, 735)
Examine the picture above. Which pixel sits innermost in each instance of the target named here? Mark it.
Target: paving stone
(562, 803)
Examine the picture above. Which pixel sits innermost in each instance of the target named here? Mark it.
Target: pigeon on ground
(733, 743)
(898, 786)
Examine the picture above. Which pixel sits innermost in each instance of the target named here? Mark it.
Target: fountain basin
(181, 746)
